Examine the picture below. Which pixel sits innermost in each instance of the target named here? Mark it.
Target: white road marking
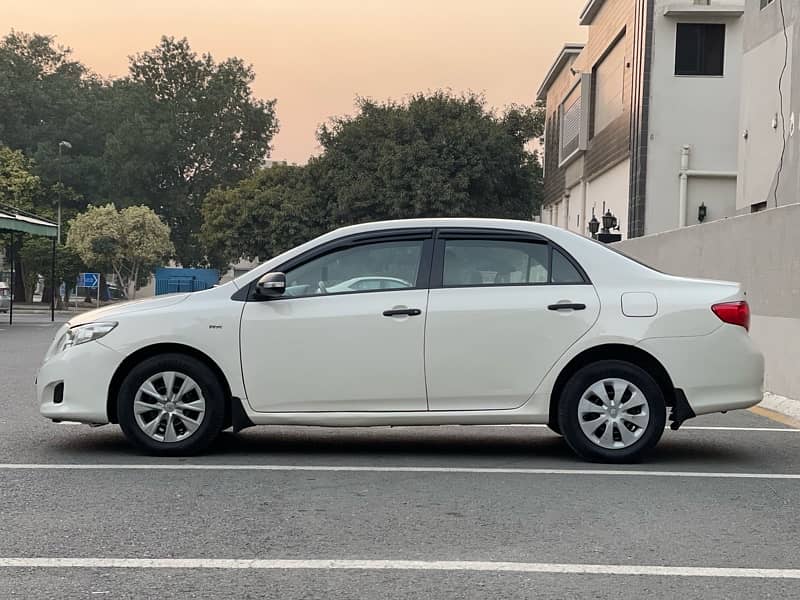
(387, 469)
(696, 427)
(768, 429)
(398, 565)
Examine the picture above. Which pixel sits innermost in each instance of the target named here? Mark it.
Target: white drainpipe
(684, 187)
(685, 173)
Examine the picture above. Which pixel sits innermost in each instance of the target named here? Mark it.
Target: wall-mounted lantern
(609, 222)
(594, 226)
(702, 212)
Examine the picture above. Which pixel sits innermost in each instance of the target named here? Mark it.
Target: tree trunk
(20, 292)
(47, 292)
(104, 295)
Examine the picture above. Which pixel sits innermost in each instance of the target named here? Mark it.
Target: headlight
(84, 333)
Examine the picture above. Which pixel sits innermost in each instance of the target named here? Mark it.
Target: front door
(494, 325)
(347, 335)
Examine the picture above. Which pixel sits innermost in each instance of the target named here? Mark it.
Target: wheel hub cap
(613, 413)
(169, 406)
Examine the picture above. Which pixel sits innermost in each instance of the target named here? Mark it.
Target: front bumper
(73, 385)
(718, 372)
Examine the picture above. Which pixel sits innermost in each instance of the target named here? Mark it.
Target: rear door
(503, 307)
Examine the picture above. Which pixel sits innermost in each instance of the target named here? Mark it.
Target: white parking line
(683, 427)
(378, 469)
(398, 565)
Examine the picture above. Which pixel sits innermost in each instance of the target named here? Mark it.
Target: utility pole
(67, 145)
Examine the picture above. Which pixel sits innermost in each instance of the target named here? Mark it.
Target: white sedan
(506, 322)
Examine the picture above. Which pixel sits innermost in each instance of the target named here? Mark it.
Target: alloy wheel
(613, 413)
(169, 406)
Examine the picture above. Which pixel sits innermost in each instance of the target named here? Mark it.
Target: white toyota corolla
(496, 322)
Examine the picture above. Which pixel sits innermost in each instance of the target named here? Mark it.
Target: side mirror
(271, 285)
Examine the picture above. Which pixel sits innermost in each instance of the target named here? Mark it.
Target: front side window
(369, 267)
(494, 262)
(700, 49)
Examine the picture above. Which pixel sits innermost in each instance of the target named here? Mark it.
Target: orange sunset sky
(315, 56)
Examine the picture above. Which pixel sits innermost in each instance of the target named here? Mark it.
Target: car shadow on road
(450, 445)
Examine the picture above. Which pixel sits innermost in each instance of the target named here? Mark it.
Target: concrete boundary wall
(760, 250)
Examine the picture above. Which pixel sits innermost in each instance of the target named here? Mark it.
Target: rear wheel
(612, 411)
(171, 405)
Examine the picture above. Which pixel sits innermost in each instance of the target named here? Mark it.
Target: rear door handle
(566, 306)
(402, 312)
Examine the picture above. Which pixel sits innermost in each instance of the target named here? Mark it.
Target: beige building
(642, 119)
(769, 146)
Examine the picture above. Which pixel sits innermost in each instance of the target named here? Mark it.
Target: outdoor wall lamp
(594, 226)
(609, 222)
(702, 211)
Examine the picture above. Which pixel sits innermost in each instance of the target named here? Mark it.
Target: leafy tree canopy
(127, 241)
(432, 155)
(187, 124)
(175, 127)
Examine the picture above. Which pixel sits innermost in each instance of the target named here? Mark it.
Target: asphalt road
(510, 508)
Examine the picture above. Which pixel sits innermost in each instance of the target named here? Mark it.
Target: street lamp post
(67, 145)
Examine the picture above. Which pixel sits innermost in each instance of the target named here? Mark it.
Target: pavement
(404, 512)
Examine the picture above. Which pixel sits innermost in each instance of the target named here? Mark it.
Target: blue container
(170, 280)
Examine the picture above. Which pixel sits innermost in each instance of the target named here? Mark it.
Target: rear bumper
(718, 372)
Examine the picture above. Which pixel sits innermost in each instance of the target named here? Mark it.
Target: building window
(570, 126)
(699, 49)
(765, 3)
(609, 82)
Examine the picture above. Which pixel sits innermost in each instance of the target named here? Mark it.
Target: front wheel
(612, 411)
(171, 405)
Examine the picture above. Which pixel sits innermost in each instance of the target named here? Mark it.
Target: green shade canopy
(26, 223)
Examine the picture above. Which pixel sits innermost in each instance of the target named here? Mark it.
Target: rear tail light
(735, 313)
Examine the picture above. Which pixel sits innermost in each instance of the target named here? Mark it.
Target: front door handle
(566, 306)
(402, 312)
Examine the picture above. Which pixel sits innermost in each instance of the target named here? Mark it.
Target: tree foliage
(19, 187)
(188, 124)
(263, 215)
(127, 241)
(37, 254)
(436, 155)
(178, 125)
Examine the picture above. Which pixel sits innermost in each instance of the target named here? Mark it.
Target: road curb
(782, 409)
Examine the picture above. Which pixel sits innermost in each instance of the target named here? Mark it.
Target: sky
(316, 56)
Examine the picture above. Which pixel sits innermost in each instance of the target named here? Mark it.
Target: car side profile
(501, 322)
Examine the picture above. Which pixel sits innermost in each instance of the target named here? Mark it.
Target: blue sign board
(89, 280)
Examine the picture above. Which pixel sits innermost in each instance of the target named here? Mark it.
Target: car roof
(447, 222)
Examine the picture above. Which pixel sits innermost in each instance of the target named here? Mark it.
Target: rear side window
(476, 262)
(563, 271)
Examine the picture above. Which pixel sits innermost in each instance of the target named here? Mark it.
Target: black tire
(212, 391)
(568, 414)
(554, 428)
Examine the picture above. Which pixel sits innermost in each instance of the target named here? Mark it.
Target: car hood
(109, 313)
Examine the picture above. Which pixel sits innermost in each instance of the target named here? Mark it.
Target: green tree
(186, 125)
(19, 187)
(47, 97)
(130, 242)
(36, 255)
(263, 215)
(433, 155)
